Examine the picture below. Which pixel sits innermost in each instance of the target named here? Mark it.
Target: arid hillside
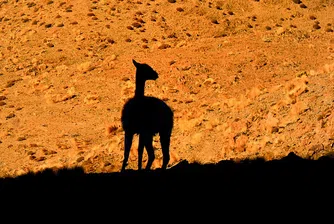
(245, 79)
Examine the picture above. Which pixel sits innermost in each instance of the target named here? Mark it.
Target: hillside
(245, 79)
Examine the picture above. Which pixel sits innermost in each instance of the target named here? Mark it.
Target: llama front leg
(127, 147)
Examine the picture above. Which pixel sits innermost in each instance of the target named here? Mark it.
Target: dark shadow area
(290, 181)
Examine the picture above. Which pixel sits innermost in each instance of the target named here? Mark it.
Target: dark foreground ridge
(289, 179)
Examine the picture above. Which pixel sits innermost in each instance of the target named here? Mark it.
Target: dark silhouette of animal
(146, 116)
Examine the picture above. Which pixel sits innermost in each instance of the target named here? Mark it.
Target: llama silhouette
(146, 116)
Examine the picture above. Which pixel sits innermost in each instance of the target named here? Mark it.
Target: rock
(271, 123)
(267, 39)
(86, 67)
(21, 138)
(181, 43)
(187, 125)
(196, 138)
(280, 31)
(253, 93)
(240, 143)
(164, 46)
(61, 69)
(298, 108)
(80, 159)
(41, 158)
(209, 81)
(79, 38)
(296, 87)
(9, 116)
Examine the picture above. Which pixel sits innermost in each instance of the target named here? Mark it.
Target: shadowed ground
(289, 180)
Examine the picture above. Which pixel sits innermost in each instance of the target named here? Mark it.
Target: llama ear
(135, 63)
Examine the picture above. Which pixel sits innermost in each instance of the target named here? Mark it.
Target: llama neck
(140, 88)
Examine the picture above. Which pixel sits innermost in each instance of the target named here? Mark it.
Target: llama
(146, 116)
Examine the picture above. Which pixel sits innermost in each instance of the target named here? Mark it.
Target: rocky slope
(245, 79)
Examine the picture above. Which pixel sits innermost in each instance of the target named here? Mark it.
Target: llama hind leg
(150, 150)
(165, 143)
(127, 146)
(141, 145)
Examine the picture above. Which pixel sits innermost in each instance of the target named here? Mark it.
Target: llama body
(146, 116)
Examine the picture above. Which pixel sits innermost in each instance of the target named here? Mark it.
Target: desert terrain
(245, 79)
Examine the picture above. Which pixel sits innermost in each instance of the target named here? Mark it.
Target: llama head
(144, 71)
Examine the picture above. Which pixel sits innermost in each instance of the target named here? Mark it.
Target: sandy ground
(245, 79)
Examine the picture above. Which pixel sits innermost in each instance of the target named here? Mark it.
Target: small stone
(164, 46)
(297, 1)
(86, 67)
(41, 158)
(81, 158)
(11, 115)
(313, 17)
(274, 129)
(317, 148)
(172, 62)
(209, 81)
(214, 21)
(136, 25)
(21, 138)
(113, 57)
(30, 153)
(110, 41)
(10, 83)
(50, 44)
(303, 6)
(267, 39)
(280, 31)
